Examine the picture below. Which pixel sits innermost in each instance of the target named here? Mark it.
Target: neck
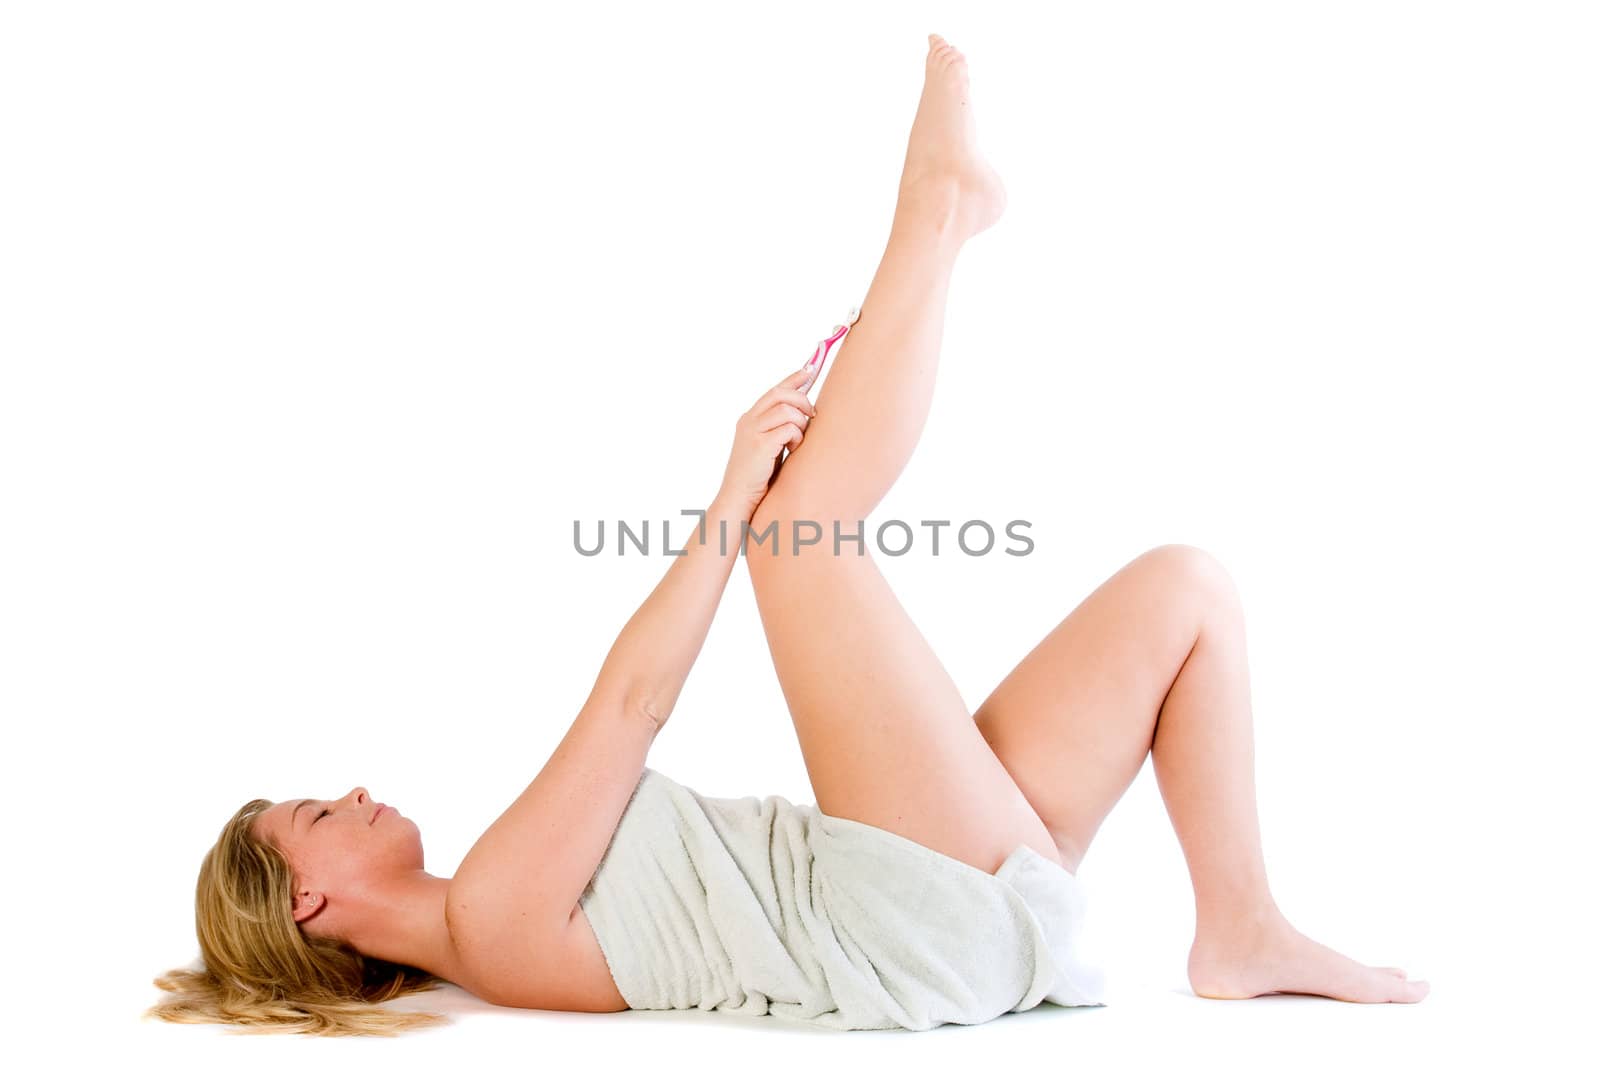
(403, 921)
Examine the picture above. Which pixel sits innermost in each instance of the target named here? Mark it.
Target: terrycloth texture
(756, 906)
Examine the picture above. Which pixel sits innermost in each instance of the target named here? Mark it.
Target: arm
(519, 886)
(651, 658)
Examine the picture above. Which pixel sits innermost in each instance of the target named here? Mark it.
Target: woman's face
(342, 851)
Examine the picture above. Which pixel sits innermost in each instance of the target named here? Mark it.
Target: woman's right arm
(513, 903)
(521, 882)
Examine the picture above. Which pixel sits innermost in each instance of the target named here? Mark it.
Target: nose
(359, 797)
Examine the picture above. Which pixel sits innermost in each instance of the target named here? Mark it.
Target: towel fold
(760, 906)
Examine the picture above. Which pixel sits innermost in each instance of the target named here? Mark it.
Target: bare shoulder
(561, 971)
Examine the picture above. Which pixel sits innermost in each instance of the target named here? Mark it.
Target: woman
(932, 881)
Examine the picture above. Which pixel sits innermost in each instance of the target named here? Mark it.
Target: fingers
(779, 419)
(790, 391)
(787, 435)
(780, 395)
(779, 414)
(801, 378)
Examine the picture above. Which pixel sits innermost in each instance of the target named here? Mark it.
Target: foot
(1254, 959)
(944, 171)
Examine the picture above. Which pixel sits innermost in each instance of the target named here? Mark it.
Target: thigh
(1073, 722)
(886, 737)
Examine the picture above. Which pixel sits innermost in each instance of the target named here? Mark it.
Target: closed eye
(324, 812)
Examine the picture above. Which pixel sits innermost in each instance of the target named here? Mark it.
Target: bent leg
(1154, 660)
(1074, 721)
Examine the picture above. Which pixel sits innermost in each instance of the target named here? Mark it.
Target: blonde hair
(261, 971)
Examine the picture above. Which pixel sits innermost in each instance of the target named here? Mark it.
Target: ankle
(930, 201)
(1234, 923)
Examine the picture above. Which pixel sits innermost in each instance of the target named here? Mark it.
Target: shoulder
(564, 971)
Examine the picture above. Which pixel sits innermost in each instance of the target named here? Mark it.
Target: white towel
(757, 906)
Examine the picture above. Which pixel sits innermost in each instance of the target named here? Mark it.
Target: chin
(411, 838)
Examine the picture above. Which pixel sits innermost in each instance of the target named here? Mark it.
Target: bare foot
(944, 169)
(1255, 959)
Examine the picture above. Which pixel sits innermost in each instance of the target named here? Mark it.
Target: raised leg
(1154, 661)
(885, 735)
(871, 409)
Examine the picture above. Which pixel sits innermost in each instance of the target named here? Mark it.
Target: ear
(307, 903)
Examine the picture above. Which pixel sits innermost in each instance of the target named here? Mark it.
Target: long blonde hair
(261, 971)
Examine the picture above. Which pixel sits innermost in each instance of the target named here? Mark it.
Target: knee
(1191, 572)
(771, 532)
(773, 510)
(761, 542)
(795, 521)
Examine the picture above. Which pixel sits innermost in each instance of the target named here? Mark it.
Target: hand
(775, 422)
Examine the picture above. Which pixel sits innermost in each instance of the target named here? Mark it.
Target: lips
(381, 809)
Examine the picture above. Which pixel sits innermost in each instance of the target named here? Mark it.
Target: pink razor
(825, 346)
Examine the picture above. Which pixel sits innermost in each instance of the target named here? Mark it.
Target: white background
(322, 323)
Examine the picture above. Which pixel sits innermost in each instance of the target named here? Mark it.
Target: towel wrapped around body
(760, 906)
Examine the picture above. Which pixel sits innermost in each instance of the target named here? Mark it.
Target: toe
(946, 59)
(1412, 992)
(1396, 989)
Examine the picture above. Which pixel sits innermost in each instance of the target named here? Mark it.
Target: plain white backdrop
(322, 323)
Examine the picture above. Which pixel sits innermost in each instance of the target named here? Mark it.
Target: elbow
(651, 710)
(646, 704)
(625, 691)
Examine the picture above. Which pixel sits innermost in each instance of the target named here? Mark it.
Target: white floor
(1147, 1024)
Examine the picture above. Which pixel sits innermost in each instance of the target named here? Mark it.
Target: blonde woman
(933, 879)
